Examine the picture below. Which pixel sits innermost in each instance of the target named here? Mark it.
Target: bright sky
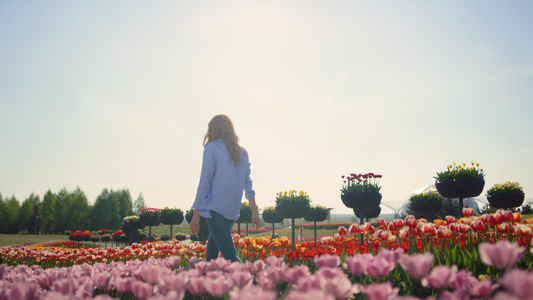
(118, 94)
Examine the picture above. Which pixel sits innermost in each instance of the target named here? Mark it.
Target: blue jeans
(220, 240)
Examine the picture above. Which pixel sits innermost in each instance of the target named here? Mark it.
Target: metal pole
(315, 234)
(361, 221)
(293, 244)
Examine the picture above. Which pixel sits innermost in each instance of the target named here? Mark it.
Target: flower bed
(473, 257)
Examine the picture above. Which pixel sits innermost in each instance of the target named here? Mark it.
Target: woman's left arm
(255, 214)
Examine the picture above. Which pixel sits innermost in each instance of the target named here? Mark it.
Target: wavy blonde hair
(221, 127)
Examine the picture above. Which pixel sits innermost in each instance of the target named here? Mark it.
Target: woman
(225, 175)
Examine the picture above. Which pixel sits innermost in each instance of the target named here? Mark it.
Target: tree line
(67, 210)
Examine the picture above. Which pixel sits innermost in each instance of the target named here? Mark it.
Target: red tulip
(478, 226)
(382, 224)
(450, 219)
(354, 228)
(341, 231)
(468, 212)
(398, 223)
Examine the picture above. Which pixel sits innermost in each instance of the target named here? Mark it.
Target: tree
(3, 215)
(48, 210)
(106, 211)
(13, 209)
(138, 205)
(72, 210)
(29, 210)
(60, 211)
(79, 211)
(124, 203)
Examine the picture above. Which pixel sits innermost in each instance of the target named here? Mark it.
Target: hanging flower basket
(189, 215)
(150, 221)
(506, 200)
(271, 216)
(317, 213)
(426, 207)
(361, 199)
(295, 211)
(460, 188)
(245, 214)
(130, 226)
(368, 213)
(171, 219)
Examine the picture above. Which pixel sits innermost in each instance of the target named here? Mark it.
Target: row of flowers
(389, 274)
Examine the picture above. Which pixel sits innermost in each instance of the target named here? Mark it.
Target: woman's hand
(195, 222)
(256, 222)
(255, 219)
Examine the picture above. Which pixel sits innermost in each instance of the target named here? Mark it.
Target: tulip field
(474, 257)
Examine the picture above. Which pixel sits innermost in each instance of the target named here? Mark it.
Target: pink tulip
(341, 287)
(357, 264)
(313, 282)
(220, 264)
(518, 283)
(196, 286)
(327, 261)
(3, 271)
(44, 281)
(502, 255)
(459, 281)
(274, 261)
(277, 274)
(455, 295)
(440, 277)
(378, 267)
(123, 285)
(291, 275)
(66, 286)
(477, 288)
(23, 291)
(380, 291)
(264, 282)
(257, 266)
(308, 295)
(241, 279)
(141, 290)
(178, 283)
(252, 292)
(417, 265)
(392, 256)
(216, 287)
(204, 266)
(101, 280)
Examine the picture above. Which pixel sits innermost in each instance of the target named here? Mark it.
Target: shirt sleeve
(206, 178)
(248, 184)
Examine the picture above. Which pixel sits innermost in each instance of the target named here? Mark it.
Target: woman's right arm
(206, 177)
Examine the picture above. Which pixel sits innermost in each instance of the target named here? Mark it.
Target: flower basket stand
(361, 201)
(461, 188)
(506, 201)
(171, 220)
(316, 217)
(272, 218)
(293, 212)
(155, 221)
(245, 217)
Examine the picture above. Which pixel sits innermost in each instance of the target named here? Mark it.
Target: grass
(22, 239)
